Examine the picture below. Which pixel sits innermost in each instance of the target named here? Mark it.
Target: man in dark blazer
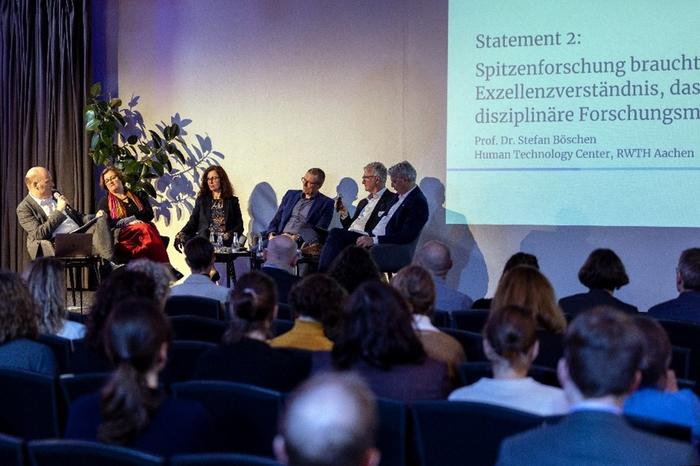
(43, 216)
(400, 225)
(603, 350)
(370, 209)
(280, 259)
(686, 307)
(302, 210)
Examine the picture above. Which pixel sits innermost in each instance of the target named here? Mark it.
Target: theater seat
(79, 452)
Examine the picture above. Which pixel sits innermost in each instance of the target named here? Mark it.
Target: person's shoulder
(664, 306)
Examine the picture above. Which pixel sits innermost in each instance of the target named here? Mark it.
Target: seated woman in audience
(216, 210)
(602, 273)
(47, 283)
(377, 341)
(510, 343)
(354, 266)
(245, 356)
(120, 285)
(658, 396)
(132, 214)
(416, 285)
(131, 410)
(519, 258)
(19, 326)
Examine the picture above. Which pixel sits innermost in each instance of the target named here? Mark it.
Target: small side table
(228, 256)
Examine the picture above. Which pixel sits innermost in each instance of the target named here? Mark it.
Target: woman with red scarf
(131, 214)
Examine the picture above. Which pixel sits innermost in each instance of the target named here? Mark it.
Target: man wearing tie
(43, 216)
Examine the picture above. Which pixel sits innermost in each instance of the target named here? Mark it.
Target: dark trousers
(338, 239)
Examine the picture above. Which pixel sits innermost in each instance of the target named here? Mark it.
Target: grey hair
(379, 170)
(160, 274)
(47, 284)
(403, 170)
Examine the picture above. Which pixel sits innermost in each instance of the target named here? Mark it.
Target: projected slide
(574, 113)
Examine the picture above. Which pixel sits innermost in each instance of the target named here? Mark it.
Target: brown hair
(526, 287)
(603, 270)
(253, 302)
(657, 352)
(416, 285)
(226, 187)
(116, 171)
(511, 332)
(18, 314)
(47, 284)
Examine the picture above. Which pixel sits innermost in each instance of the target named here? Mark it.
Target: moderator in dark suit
(320, 214)
(686, 308)
(283, 279)
(381, 208)
(575, 304)
(198, 224)
(589, 437)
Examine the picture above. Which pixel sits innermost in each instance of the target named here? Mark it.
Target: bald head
(281, 251)
(434, 256)
(39, 182)
(330, 421)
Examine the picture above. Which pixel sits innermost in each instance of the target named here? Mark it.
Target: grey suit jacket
(593, 438)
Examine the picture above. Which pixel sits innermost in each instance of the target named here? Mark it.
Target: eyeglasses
(312, 183)
(367, 177)
(111, 178)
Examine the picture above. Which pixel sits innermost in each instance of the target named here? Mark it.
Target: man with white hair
(331, 420)
(435, 257)
(280, 259)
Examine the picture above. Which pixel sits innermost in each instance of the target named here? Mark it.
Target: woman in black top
(216, 210)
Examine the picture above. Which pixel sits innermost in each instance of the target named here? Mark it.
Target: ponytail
(253, 301)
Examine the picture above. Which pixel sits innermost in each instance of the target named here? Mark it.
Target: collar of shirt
(376, 195)
(422, 322)
(592, 405)
(270, 265)
(403, 196)
(44, 202)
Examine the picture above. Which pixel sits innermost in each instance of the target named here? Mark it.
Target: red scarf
(117, 208)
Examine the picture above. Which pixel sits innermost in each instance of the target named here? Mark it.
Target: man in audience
(280, 259)
(44, 213)
(303, 210)
(400, 225)
(331, 420)
(200, 256)
(603, 349)
(435, 257)
(316, 302)
(686, 306)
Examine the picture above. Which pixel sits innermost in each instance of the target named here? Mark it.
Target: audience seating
(245, 417)
(62, 349)
(471, 343)
(79, 452)
(284, 312)
(441, 319)
(470, 372)
(73, 386)
(685, 338)
(195, 306)
(29, 405)
(470, 321)
(551, 349)
(197, 328)
(11, 451)
(457, 433)
(662, 428)
(391, 258)
(182, 360)
(221, 459)
(392, 432)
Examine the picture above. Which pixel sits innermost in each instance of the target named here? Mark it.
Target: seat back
(245, 417)
(470, 321)
(28, 405)
(62, 349)
(551, 349)
(197, 328)
(11, 451)
(442, 319)
(79, 452)
(662, 428)
(451, 433)
(470, 372)
(685, 339)
(391, 436)
(182, 360)
(73, 386)
(221, 459)
(471, 343)
(393, 257)
(195, 306)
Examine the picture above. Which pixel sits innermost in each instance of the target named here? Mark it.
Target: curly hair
(226, 187)
(18, 314)
(47, 284)
(354, 266)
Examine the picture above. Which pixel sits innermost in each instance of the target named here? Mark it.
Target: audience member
(519, 258)
(435, 257)
(280, 259)
(131, 410)
(46, 281)
(686, 307)
(658, 396)
(602, 273)
(354, 266)
(510, 343)
(200, 256)
(377, 341)
(330, 421)
(245, 356)
(159, 273)
(316, 302)
(599, 369)
(19, 326)
(415, 284)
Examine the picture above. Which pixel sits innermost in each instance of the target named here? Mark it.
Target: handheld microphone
(57, 195)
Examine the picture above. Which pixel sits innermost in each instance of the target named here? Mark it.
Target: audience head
(281, 251)
(137, 335)
(688, 271)
(403, 177)
(319, 297)
(435, 256)
(199, 255)
(120, 285)
(254, 305)
(416, 285)
(510, 338)
(521, 258)
(159, 273)
(331, 420)
(39, 182)
(354, 266)
(374, 178)
(526, 287)
(602, 351)
(47, 284)
(215, 179)
(603, 270)
(656, 357)
(377, 328)
(18, 314)
(312, 181)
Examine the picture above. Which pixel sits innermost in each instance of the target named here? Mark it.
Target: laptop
(73, 244)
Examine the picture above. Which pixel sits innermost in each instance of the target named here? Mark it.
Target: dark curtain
(44, 77)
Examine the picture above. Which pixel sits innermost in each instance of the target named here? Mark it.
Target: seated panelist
(44, 213)
(371, 209)
(132, 215)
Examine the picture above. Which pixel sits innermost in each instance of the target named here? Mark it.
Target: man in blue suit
(686, 307)
(400, 225)
(302, 210)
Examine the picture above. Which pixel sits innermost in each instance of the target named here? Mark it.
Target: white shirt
(200, 285)
(422, 323)
(361, 221)
(48, 205)
(380, 229)
(72, 330)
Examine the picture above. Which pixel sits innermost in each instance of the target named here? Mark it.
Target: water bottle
(219, 240)
(260, 244)
(212, 238)
(236, 242)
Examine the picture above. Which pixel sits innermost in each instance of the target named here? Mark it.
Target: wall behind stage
(282, 85)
